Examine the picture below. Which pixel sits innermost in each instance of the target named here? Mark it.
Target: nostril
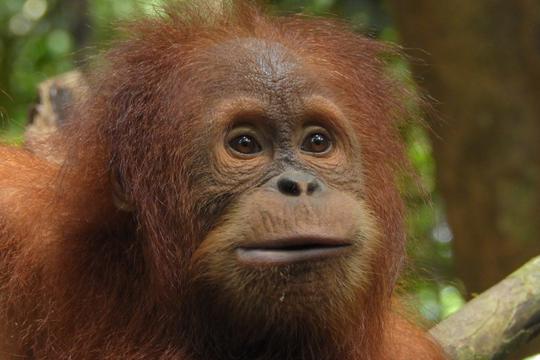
(289, 187)
(313, 186)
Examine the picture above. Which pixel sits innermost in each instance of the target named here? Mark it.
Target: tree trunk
(484, 72)
(482, 66)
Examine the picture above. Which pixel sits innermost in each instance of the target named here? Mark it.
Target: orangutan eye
(245, 144)
(316, 142)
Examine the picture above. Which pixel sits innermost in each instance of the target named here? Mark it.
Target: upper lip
(291, 249)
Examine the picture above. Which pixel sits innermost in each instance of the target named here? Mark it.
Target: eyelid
(250, 119)
(240, 129)
(313, 129)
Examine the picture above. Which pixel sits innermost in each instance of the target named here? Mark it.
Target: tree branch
(497, 321)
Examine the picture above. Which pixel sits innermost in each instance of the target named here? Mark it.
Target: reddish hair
(80, 279)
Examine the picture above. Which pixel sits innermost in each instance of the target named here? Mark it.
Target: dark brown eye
(245, 144)
(316, 142)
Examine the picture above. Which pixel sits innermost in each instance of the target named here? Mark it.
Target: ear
(120, 198)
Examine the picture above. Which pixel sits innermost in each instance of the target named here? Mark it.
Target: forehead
(261, 67)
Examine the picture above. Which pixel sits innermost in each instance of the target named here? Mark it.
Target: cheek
(342, 170)
(232, 174)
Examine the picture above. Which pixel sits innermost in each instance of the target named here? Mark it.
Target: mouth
(285, 251)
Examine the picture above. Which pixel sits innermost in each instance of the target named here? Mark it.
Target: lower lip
(277, 256)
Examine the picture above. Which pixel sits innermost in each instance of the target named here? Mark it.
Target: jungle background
(474, 214)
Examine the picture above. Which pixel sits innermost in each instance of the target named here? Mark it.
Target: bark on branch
(497, 321)
(490, 326)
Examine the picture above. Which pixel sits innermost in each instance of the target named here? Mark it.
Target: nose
(296, 183)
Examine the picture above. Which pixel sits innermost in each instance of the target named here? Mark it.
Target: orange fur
(80, 279)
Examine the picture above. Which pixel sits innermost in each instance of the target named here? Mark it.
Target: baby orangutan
(228, 192)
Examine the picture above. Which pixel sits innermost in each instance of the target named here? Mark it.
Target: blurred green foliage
(42, 38)
(34, 44)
